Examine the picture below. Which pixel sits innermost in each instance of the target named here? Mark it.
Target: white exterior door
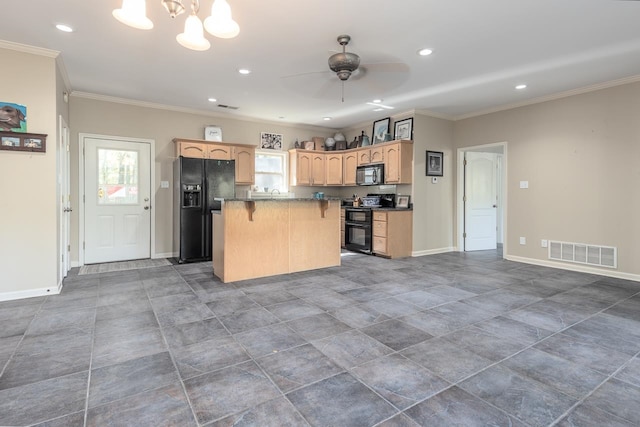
(480, 201)
(117, 200)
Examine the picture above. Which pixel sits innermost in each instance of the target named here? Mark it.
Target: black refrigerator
(197, 183)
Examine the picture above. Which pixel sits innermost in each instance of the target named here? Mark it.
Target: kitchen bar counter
(265, 237)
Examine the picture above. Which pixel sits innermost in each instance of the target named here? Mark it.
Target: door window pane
(117, 177)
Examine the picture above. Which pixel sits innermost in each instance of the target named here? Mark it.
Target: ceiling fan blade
(328, 88)
(387, 67)
(305, 74)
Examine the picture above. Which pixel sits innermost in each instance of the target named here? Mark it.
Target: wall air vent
(229, 107)
(581, 253)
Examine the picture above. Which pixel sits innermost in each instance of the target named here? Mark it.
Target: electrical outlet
(523, 240)
(544, 243)
(164, 184)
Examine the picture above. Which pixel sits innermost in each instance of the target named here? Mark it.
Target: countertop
(380, 208)
(281, 199)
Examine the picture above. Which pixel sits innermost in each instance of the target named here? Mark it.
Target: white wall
(28, 226)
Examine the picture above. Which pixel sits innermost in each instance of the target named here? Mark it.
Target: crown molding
(29, 49)
(552, 97)
(156, 106)
(436, 115)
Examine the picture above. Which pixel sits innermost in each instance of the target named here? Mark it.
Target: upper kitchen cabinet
(307, 167)
(245, 157)
(376, 154)
(398, 162)
(333, 168)
(199, 149)
(349, 164)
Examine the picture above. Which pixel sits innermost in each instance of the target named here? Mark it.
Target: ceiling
(481, 51)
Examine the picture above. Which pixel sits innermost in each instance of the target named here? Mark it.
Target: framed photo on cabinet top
(213, 133)
(435, 160)
(270, 141)
(380, 129)
(403, 129)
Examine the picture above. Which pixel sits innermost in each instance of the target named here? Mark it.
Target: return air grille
(581, 253)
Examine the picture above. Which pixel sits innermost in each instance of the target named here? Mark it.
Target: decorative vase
(364, 140)
(329, 143)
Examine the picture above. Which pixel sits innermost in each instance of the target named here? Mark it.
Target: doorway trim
(81, 187)
(461, 186)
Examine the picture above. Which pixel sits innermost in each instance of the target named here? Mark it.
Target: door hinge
(464, 235)
(67, 148)
(464, 198)
(68, 248)
(465, 162)
(83, 199)
(83, 245)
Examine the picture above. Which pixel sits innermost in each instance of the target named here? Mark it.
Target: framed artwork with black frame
(380, 129)
(403, 129)
(435, 163)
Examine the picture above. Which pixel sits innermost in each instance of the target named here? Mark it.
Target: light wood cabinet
(377, 155)
(398, 159)
(349, 163)
(330, 168)
(364, 156)
(300, 163)
(333, 167)
(392, 233)
(244, 155)
(318, 172)
(245, 158)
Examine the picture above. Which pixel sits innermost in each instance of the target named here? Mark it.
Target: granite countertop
(281, 199)
(380, 208)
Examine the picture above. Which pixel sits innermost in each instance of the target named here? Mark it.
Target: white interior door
(480, 201)
(117, 175)
(64, 193)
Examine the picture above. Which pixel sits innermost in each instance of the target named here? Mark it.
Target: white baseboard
(432, 251)
(164, 255)
(75, 264)
(577, 267)
(30, 293)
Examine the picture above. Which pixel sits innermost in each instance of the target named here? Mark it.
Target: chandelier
(220, 24)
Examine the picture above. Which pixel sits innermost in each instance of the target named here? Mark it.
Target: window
(271, 170)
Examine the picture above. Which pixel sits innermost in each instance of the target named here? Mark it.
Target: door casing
(500, 147)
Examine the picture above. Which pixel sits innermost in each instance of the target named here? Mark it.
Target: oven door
(357, 237)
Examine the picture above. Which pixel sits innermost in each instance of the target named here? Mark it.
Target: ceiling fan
(347, 65)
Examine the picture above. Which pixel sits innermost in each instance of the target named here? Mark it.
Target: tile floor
(445, 340)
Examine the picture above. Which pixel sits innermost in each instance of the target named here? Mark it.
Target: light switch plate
(523, 240)
(164, 184)
(524, 184)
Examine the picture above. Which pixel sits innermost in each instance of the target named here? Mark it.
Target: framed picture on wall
(14, 141)
(435, 163)
(403, 129)
(271, 141)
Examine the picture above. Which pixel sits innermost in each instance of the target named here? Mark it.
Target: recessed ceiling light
(377, 101)
(520, 87)
(65, 28)
(326, 118)
(212, 100)
(378, 109)
(425, 52)
(244, 71)
(281, 117)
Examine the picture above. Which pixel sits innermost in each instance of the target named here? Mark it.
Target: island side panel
(258, 247)
(218, 244)
(315, 241)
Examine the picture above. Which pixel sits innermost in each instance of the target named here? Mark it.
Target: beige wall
(28, 218)
(581, 156)
(117, 119)
(432, 203)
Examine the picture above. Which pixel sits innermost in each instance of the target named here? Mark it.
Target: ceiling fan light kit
(344, 63)
(220, 24)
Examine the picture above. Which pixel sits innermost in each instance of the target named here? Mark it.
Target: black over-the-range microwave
(370, 174)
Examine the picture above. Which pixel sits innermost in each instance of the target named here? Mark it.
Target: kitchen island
(265, 237)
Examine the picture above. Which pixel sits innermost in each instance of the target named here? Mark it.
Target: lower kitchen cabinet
(392, 233)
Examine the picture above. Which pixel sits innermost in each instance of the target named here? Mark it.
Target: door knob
(146, 208)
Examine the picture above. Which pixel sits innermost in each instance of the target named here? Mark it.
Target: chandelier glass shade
(219, 24)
